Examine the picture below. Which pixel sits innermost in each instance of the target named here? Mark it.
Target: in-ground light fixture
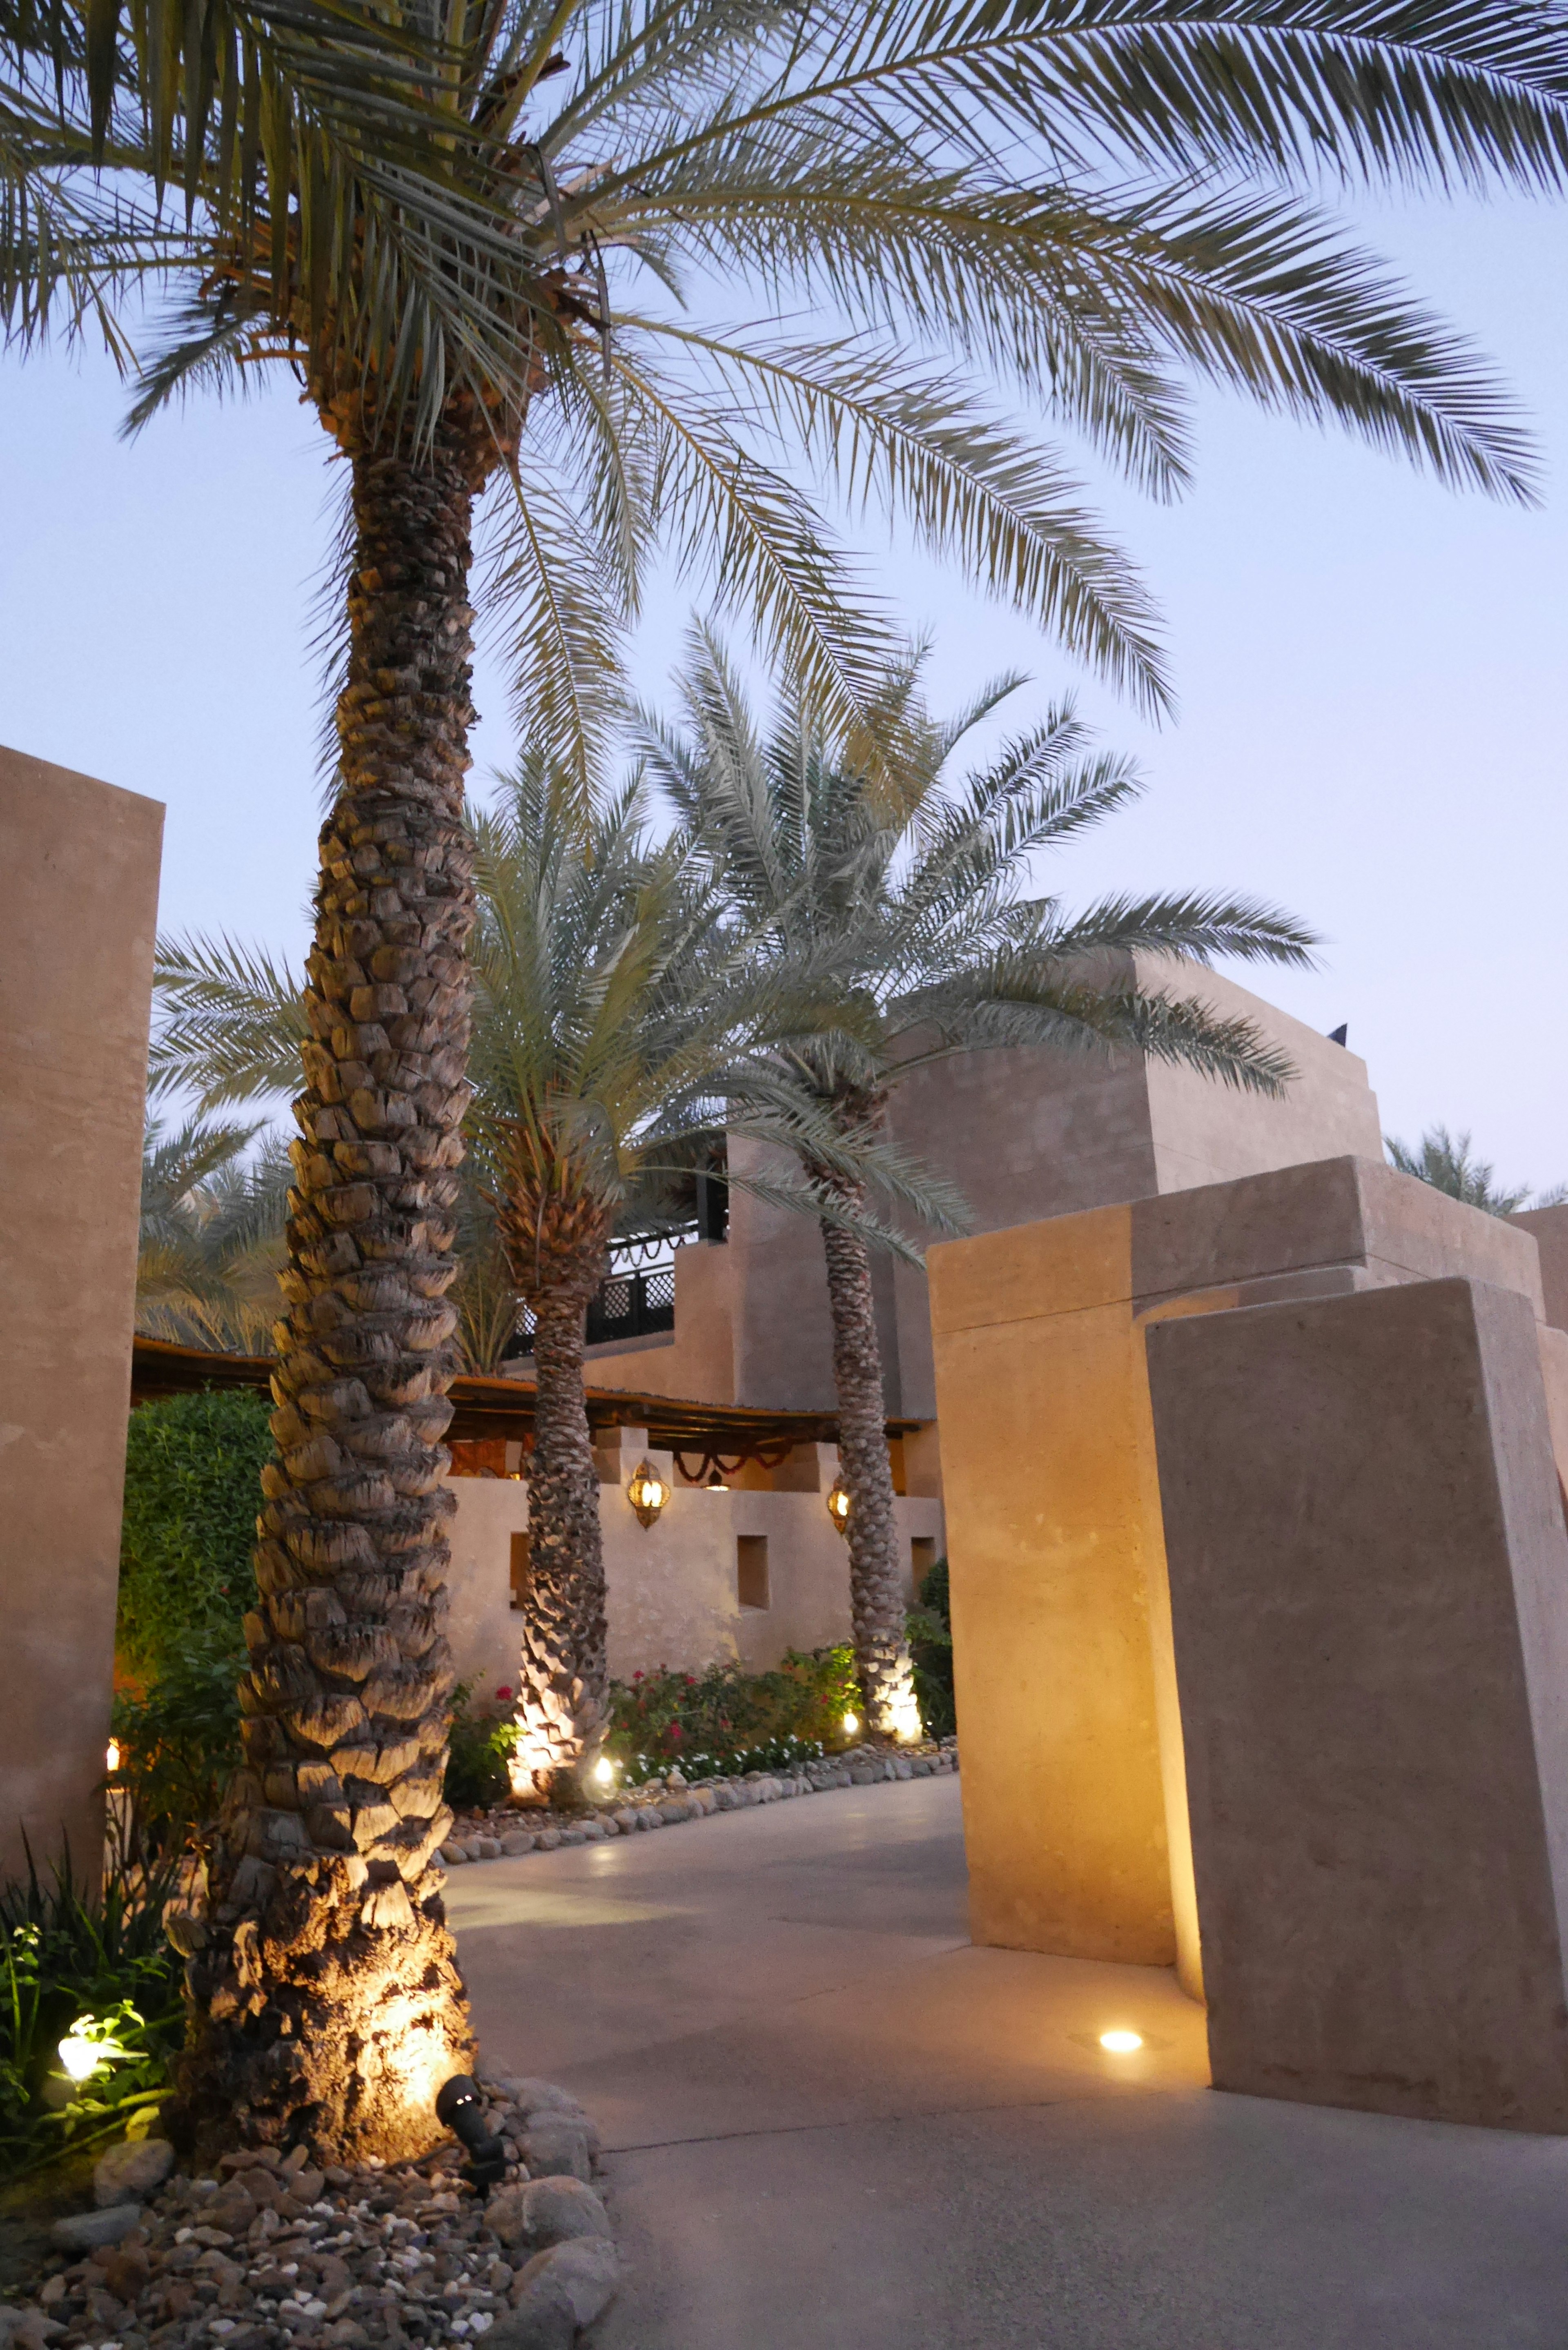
(461, 2109)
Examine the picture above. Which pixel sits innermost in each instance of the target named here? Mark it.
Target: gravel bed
(507, 1831)
(272, 2254)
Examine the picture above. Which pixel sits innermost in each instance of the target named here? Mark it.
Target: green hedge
(193, 1491)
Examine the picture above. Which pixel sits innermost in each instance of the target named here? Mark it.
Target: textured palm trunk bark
(326, 2004)
(563, 1674)
(876, 1567)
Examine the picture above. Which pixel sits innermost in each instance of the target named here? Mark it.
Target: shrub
(98, 1964)
(481, 1741)
(193, 1492)
(929, 1629)
(661, 1718)
(179, 1740)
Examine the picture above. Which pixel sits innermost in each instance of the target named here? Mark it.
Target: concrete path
(832, 2123)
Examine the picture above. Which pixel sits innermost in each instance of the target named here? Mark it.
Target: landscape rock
(128, 2173)
(558, 2148)
(83, 2231)
(544, 2318)
(586, 2270)
(26, 2329)
(518, 1841)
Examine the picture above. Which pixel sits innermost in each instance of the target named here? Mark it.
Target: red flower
(503, 1694)
(637, 1677)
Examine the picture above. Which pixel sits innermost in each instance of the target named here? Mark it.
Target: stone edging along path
(275, 2254)
(670, 1802)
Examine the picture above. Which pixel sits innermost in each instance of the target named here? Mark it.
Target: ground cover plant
(479, 1752)
(96, 1967)
(707, 1721)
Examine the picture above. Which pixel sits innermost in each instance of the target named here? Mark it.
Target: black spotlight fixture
(461, 2109)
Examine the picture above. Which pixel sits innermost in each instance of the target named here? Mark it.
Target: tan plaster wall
(1369, 1581)
(78, 908)
(672, 1588)
(1075, 1786)
(696, 1359)
(1209, 1133)
(1547, 1227)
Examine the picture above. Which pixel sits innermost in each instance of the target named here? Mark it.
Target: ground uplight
(1121, 2043)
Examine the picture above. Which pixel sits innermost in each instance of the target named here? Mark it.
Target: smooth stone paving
(829, 2121)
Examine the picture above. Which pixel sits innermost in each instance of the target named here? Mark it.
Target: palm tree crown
(1445, 1161)
(906, 889)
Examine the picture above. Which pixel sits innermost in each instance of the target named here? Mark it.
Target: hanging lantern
(647, 1492)
(840, 1505)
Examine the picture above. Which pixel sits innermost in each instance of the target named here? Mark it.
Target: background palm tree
(1444, 1160)
(211, 1245)
(904, 884)
(420, 227)
(624, 1008)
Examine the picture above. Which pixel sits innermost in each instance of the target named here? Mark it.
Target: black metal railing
(630, 1305)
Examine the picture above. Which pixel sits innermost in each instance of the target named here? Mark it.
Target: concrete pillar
(1368, 1579)
(79, 908)
(1074, 1785)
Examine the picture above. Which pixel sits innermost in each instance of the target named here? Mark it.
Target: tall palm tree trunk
(325, 2004)
(876, 1577)
(564, 1678)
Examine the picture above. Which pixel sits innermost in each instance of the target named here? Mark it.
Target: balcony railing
(631, 1304)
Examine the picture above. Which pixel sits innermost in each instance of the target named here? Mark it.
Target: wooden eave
(505, 1408)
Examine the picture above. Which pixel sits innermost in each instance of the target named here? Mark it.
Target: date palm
(621, 1010)
(210, 1243)
(904, 884)
(1445, 1161)
(469, 233)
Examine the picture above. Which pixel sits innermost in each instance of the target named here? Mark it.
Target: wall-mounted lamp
(647, 1492)
(840, 1505)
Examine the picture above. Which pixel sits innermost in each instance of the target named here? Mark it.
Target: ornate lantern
(840, 1505)
(647, 1492)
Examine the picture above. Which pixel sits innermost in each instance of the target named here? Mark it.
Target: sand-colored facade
(79, 908)
(1090, 1822)
(733, 1576)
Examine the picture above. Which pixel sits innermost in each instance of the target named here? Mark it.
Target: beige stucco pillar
(78, 908)
(1074, 1782)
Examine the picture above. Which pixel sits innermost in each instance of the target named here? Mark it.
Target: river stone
(127, 2173)
(558, 2148)
(84, 2231)
(516, 1842)
(548, 1838)
(545, 2318)
(587, 2268)
(543, 2211)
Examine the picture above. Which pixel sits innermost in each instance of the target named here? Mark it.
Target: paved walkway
(832, 2123)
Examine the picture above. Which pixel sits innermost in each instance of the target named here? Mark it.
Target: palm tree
(211, 1243)
(1444, 1160)
(905, 888)
(621, 1010)
(465, 243)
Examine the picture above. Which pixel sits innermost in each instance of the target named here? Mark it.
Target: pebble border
(274, 2254)
(670, 1803)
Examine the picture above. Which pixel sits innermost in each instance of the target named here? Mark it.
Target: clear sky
(1371, 674)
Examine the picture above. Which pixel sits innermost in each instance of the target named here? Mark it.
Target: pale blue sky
(1371, 675)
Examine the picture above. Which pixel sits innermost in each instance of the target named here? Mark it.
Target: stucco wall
(673, 1595)
(78, 908)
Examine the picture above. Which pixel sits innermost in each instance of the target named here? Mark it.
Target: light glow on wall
(1121, 2043)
